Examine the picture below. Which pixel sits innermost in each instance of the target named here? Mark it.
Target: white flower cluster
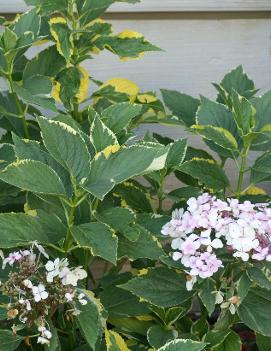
(209, 224)
(35, 285)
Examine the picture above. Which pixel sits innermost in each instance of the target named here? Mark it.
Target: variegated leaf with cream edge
(160, 286)
(65, 144)
(183, 345)
(101, 136)
(114, 341)
(108, 170)
(33, 176)
(98, 238)
(117, 117)
(208, 173)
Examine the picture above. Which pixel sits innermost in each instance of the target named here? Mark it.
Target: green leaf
(263, 342)
(134, 196)
(118, 218)
(29, 21)
(255, 311)
(184, 193)
(7, 155)
(183, 345)
(54, 341)
(200, 327)
(176, 154)
(38, 85)
(65, 144)
(62, 36)
(114, 342)
(236, 80)
(145, 246)
(160, 286)
(101, 136)
(121, 303)
(90, 320)
(89, 10)
(231, 343)
(125, 164)
(223, 340)
(8, 341)
(69, 80)
(35, 90)
(262, 105)
(183, 106)
(118, 116)
(98, 238)
(24, 229)
(244, 113)
(207, 295)
(8, 40)
(258, 277)
(207, 172)
(220, 136)
(214, 114)
(243, 285)
(29, 149)
(8, 105)
(158, 336)
(153, 222)
(47, 63)
(261, 169)
(33, 176)
(126, 47)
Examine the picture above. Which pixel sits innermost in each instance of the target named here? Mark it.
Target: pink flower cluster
(209, 224)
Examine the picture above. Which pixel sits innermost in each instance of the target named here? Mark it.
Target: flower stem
(160, 195)
(242, 171)
(69, 238)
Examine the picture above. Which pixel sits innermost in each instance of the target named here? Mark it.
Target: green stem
(94, 206)
(160, 195)
(19, 107)
(69, 238)
(242, 171)
(76, 114)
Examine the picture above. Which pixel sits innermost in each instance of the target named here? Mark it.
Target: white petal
(176, 256)
(50, 266)
(217, 244)
(44, 295)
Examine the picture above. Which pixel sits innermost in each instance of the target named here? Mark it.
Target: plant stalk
(242, 171)
(160, 195)
(69, 238)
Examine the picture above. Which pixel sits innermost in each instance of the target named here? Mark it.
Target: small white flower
(190, 283)
(43, 341)
(177, 243)
(72, 277)
(11, 259)
(219, 297)
(28, 284)
(243, 255)
(69, 297)
(176, 256)
(40, 249)
(39, 293)
(45, 333)
(56, 268)
(232, 309)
